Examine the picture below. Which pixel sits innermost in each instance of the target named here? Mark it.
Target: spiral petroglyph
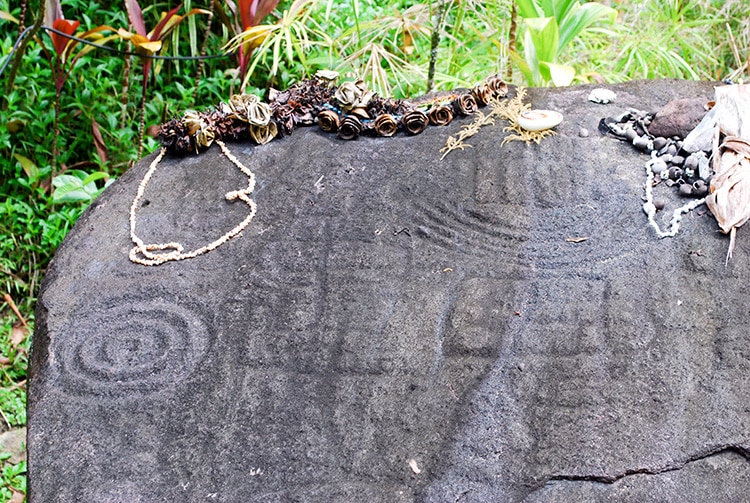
(133, 347)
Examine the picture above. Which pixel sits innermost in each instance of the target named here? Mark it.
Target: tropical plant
(64, 57)
(148, 43)
(245, 16)
(289, 38)
(383, 49)
(550, 25)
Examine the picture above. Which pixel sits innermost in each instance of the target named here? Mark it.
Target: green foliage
(550, 25)
(77, 186)
(13, 478)
(286, 41)
(14, 349)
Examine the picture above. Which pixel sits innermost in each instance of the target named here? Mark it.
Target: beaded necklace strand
(143, 253)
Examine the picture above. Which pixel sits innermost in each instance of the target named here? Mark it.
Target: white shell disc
(539, 120)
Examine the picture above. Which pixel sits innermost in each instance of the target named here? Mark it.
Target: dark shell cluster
(349, 110)
(671, 163)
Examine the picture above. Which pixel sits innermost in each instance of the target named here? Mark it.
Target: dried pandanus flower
(441, 115)
(464, 104)
(192, 121)
(328, 120)
(248, 108)
(329, 77)
(259, 114)
(263, 134)
(347, 95)
(414, 121)
(197, 128)
(238, 104)
(353, 95)
(386, 125)
(204, 137)
(350, 128)
(360, 113)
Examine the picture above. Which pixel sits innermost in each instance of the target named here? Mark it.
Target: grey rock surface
(396, 328)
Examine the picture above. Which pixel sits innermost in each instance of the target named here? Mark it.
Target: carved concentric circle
(132, 347)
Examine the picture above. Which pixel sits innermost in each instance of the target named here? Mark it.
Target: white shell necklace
(159, 253)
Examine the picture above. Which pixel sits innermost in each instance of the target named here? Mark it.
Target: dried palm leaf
(729, 200)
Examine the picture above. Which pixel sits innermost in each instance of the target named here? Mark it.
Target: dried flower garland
(349, 110)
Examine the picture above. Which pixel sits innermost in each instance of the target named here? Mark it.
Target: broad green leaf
(531, 59)
(72, 187)
(581, 18)
(561, 8)
(529, 9)
(559, 75)
(545, 37)
(97, 175)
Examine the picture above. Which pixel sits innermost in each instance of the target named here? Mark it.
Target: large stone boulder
(392, 327)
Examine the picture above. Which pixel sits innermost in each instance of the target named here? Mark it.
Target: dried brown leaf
(18, 334)
(101, 147)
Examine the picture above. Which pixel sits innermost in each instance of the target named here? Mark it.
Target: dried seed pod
(482, 94)
(415, 121)
(441, 115)
(284, 124)
(386, 125)
(498, 86)
(464, 104)
(171, 132)
(263, 134)
(685, 190)
(185, 144)
(350, 128)
(700, 189)
(328, 120)
(660, 142)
